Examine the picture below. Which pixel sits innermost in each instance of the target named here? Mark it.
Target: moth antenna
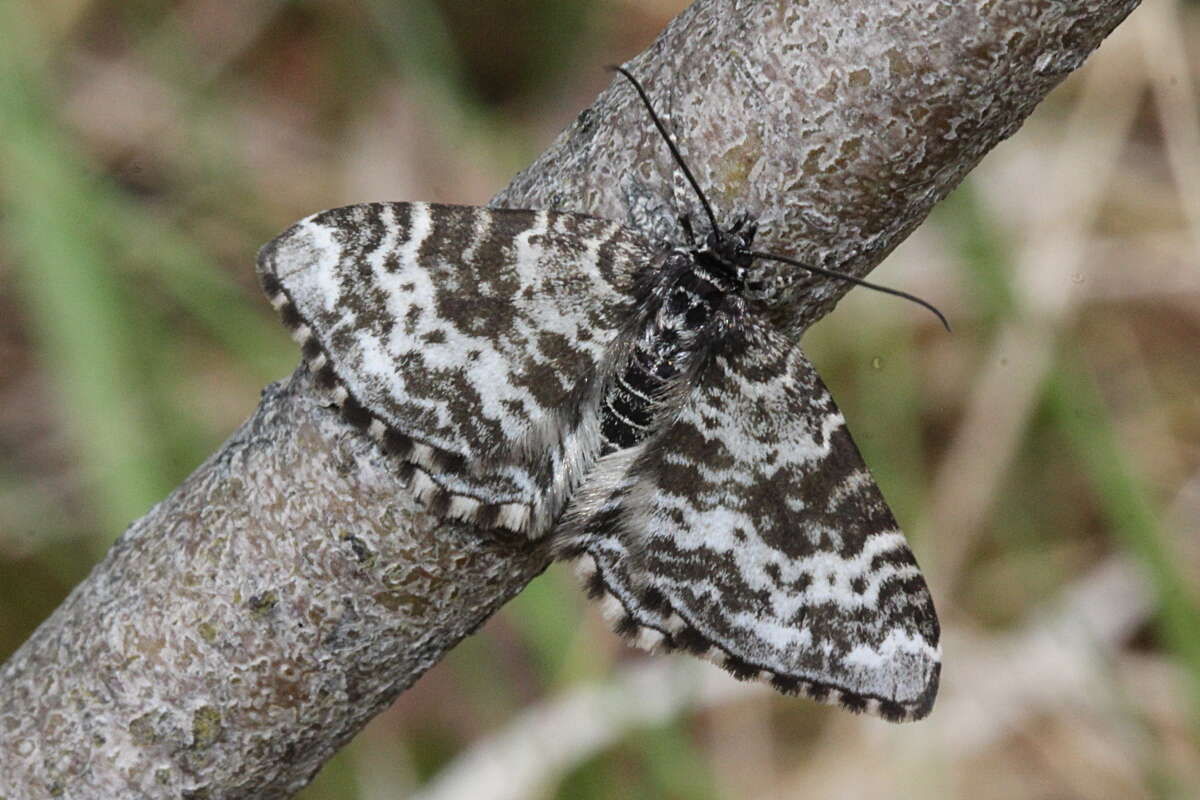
(712, 218)
(851, 279)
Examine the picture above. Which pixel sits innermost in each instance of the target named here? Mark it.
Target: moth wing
(750, 531)
(450, 332)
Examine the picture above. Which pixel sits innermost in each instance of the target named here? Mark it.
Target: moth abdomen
(666, 347)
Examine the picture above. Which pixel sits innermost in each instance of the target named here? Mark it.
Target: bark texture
(256, 618)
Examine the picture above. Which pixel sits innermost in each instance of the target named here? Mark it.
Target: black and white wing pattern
(558, 375)
(452, 334)
(749, 531)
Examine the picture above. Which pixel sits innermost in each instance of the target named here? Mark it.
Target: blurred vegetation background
(1045, 459)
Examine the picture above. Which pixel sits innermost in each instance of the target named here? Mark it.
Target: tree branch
(254, 620)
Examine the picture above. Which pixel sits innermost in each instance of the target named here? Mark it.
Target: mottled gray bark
(247, 626)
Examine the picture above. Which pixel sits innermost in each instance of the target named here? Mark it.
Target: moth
(632, 405)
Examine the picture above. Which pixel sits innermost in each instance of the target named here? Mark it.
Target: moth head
(740, 234)
(732, 245)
